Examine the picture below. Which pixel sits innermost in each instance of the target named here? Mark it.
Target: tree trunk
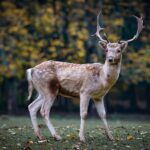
(11, 97)
(135, 99)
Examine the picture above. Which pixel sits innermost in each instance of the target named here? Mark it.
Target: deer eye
(106, 50)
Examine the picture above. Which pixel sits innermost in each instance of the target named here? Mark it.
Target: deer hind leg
(33, 108)
(45, 112)
(102, 113)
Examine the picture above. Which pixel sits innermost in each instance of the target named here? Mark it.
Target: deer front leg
(84, 102)
(102, 113)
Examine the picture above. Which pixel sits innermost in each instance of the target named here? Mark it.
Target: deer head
(114, 50)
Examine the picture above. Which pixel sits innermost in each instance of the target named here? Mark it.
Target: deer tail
(30, 83)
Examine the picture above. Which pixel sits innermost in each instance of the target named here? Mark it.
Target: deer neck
(111, 72)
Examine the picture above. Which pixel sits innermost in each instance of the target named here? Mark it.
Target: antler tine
(106, 37)
(139, 28)
(99, 29)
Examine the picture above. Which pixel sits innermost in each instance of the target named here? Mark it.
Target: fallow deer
(77, 81)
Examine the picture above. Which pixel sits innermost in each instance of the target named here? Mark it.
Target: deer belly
(68, 93)
(69, 88)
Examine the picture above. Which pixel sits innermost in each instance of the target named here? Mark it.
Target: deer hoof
(40, 136)
(110, 137)
(82, 139)
(42, 141)
(57, 137)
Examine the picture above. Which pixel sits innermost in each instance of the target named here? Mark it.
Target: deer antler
(99, 28)
(139, 29)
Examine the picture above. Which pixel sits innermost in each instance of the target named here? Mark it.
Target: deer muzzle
(113, 61)
(110, 59)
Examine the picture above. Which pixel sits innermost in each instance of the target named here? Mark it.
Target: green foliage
(136, 68)
(121, 25)
(29, 38)
(35, 31)
(58, 30)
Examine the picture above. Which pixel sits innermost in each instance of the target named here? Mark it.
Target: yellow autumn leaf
(48, 29)
(22, 31)
(12, 66)
(45, 18)
(24, 53)
(81, 53)
(41, 43)
(130, 137)
(118, 22)
(80, 44)
(52, 49)
(49, 10)
(113, 37)
(30, 142)
(8, 4)
(14, 29)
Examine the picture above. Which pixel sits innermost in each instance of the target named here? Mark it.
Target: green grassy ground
(17, 133)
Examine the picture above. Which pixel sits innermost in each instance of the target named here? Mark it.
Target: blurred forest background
(35, 31)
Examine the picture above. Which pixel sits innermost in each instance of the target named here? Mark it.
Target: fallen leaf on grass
(90, 136)
(105, 146)
(77, 146)
(71, 136)
(18, 144)
(12, 131)
(30, 142)
(68, 135)
(143, 132)
(27, 148)
(128, 146)
(130, 137)
(119, 139)
(20, 129)
(42, 141)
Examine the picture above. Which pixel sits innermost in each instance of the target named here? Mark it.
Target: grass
(17, 133)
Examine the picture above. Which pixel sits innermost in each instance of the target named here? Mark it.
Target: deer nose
(110, 58)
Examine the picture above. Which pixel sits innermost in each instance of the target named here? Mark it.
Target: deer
(77, 81)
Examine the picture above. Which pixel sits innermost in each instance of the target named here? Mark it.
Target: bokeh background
(35, 31)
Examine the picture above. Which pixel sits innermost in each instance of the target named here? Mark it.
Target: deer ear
(124, 46)
(103, 44)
